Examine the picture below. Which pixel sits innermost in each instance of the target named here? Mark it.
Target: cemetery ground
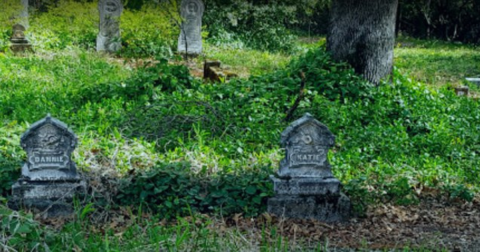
(411, 188)
(174, 163)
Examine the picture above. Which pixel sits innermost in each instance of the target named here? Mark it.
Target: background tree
(363, 33)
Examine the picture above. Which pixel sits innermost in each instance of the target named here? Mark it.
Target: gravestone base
(306, 186)
(309, 198)
(326, 208)
(51, 198)
(21, 48)
(190, 54)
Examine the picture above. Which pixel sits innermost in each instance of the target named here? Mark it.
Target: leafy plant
(172, 190)
(254, 26)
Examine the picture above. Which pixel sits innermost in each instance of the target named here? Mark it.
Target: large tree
(363, 33)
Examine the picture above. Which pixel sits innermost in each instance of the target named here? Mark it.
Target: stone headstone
(49, 178)
(212, 71)
(461, 90)
(19, 43)
(108, 38)
(190, 39)
(304, 186)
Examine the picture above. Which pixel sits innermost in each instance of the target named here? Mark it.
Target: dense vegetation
(157, 142)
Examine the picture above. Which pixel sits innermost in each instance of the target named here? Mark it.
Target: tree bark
(363, 34)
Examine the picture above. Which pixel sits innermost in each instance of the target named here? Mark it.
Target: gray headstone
(19, 43)
(108, 38)
(305, 187)
(49, 178)
(190, 39)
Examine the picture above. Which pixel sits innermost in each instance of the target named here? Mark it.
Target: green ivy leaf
(251, 190)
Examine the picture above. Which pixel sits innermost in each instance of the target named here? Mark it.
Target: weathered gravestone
(305, 187)
(19, 43)
(462, 90)
(190, 39)
(108, 38)
(49, 178)
(213, 71)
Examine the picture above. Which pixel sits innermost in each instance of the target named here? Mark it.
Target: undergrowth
(401, 134)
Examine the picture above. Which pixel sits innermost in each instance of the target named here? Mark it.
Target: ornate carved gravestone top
(108, 38)
(18, 32)
(190, 34)
(49, 145)
(306, 142)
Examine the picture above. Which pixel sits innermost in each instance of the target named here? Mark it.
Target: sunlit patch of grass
(437, 63)
(246, 62)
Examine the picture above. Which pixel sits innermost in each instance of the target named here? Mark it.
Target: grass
(437, 63)
(246, 62)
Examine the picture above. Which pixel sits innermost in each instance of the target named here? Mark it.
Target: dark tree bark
(363, 34)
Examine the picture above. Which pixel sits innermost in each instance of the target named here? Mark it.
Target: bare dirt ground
(435, 224)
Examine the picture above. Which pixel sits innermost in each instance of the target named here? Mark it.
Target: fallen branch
(300, 97)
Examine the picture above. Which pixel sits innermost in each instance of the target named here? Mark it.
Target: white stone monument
(108, 38)
(190, 39)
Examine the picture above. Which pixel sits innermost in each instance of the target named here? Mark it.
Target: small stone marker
(474, 80)
(190, 39)
(462, 90)
(49, 178)
(19, 44)
(305, 187)
(213, 71)
(108, 38)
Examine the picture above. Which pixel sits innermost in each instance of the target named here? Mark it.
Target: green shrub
(10, 156)
(148, 32)
(172, 190)
(255, 26)
(144, 32)
(20, 232)
(66, 23)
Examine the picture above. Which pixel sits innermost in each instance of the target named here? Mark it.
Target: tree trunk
(24, 14)
(363, 34)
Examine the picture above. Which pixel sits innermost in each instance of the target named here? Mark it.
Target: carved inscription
(48, 160)
(314, 155)
(49, 145)
(49, 149)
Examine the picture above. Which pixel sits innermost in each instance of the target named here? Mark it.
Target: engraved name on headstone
(108, 38)
(190, 39)
(49, 145)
